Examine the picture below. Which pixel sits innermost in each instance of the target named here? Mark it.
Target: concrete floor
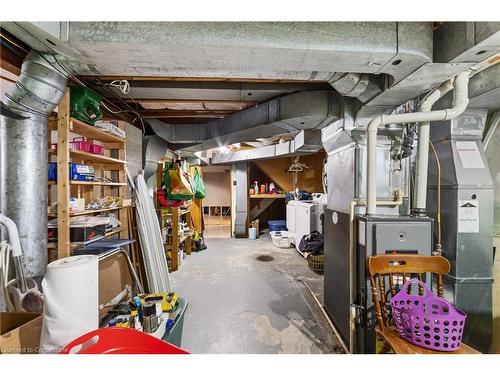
(217, 231)
(238, 304)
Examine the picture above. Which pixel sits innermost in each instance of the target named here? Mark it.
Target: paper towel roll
(71, 301)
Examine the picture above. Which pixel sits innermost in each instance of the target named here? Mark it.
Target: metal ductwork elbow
(361, 86)
(23, 153)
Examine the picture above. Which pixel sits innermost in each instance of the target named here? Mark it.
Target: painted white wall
(218, 187)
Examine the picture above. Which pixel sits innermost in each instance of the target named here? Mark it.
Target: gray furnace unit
(383, 235)
(467, 203)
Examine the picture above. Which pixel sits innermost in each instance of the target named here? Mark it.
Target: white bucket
(252, 233)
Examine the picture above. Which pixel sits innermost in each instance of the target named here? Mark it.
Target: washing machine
(304, 217)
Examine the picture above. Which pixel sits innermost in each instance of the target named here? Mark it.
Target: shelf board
(262, 196)
(181, 213)
(115, 231)
(90, 212)
(79, 155)
(92, 183)
(90, 131)
(74, 245)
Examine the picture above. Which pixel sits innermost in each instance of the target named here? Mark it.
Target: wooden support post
(175, 238)
(122, 177)
(63, 186)
(189, 238)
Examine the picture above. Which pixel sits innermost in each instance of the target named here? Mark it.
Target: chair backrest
(392, 266)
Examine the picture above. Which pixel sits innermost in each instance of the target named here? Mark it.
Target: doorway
(217, 202)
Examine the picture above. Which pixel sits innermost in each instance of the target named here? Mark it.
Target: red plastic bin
(80, 143)
(115, 340)
(96, 149)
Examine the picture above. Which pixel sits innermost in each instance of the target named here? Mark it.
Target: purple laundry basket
(427, 321)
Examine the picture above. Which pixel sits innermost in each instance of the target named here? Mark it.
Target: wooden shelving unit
(90, 212)
(74, 245)
(108, 167)
(176, 214)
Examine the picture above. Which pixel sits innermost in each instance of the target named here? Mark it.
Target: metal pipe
(460, 102)
(37, 92)
(325, 314)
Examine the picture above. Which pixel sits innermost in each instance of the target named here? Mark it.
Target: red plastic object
(96, 149)
(79, 143)
(163, 201)
(116, 340)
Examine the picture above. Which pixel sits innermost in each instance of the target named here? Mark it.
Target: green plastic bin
(173, 335)
(85, 104)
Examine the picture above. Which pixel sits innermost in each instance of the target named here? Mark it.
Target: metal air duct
(23, 161)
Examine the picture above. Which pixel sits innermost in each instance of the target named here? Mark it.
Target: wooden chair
(390, 266)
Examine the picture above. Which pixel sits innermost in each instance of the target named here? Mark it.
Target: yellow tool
(168, 300)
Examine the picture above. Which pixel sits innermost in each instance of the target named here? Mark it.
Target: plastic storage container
(96, 149)
(173, 335)
(77, 172)
(281, 238)
(80, 143)
(276, 225)
(85, 104)
(119, 341)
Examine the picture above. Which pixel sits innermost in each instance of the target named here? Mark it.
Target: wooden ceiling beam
(10, 61)
(198, 79)
(189, 101)
(153, 113)
(192, 105)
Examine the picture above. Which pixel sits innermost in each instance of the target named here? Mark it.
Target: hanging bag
(176, 184)
(199, 186)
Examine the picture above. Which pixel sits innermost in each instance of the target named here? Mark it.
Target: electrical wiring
(127, 110)
(124, 86)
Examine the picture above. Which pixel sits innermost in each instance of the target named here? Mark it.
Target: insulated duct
(154, 148)
(287, 114)
(307, 141)
(356, 85)
(23, 177)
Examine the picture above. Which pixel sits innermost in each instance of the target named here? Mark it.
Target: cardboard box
(20, 333)
(77, 204)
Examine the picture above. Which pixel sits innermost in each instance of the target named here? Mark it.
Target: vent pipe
(460, 102)
(23, 177)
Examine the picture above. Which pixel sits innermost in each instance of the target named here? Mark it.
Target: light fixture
(224, 149)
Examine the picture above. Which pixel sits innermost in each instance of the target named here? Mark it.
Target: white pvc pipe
(460, 102)
(13, 235)
(423, 148)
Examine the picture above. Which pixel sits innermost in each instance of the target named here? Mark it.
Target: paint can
(252, 233)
